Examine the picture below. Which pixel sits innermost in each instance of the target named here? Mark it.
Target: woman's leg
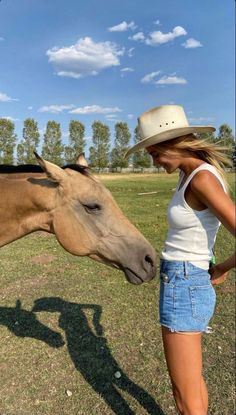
(184, 360)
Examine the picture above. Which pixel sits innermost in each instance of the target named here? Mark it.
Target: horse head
(88, 222)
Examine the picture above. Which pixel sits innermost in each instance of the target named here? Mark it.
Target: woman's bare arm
(209, 191)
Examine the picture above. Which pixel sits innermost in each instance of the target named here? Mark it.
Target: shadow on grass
(91, 355)
(87, 347)
(24, 323)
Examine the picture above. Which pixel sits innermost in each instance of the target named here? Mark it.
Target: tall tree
(20, 151)
(7, 141)
(99, 152)
(29, 143)
(141, 158)
(207, 136)
(52, 147)
(234, 156)
(92, 157)
(122, 138)
(226, 139)
(225, 135)
(76, 141)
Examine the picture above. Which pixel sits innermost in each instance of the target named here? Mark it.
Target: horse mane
(34, 168)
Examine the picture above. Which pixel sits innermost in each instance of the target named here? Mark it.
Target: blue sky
(112, 60)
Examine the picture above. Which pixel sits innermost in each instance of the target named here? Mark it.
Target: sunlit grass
(36, 373)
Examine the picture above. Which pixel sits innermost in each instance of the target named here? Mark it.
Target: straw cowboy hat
(164, 123)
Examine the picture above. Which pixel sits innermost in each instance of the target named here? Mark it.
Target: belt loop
(186, 269)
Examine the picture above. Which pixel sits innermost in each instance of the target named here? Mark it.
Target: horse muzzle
(137, 279)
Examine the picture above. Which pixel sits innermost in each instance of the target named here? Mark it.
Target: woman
(199, 205)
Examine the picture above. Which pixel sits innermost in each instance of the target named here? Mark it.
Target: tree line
(101, 155)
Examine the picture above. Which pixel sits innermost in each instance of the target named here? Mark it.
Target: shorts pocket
(203, 300)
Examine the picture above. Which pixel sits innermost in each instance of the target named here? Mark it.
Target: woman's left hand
(217, 276)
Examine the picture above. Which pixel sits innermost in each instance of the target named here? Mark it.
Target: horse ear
(54, 172)
(81, 160)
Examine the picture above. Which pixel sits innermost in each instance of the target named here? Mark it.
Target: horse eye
(92, 207)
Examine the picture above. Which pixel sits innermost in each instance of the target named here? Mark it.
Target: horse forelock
(86, 171)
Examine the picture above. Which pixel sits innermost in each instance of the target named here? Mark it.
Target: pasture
(78, 339)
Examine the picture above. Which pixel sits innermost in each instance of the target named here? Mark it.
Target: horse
(71, 203)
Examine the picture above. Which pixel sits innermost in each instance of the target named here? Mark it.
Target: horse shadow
(87, 347)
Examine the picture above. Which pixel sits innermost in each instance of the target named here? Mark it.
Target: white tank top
(192, 233)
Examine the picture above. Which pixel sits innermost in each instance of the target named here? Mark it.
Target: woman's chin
(170, 169)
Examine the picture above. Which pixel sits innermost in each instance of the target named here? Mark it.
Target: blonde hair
(209, 152)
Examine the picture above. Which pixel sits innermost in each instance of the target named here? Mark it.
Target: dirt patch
(43, 259)
(22, 287)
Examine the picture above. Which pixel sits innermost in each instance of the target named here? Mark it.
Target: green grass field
(89, 326)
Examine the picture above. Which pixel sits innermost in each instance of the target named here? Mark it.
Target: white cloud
(138, 36)
(170, 80)
(149, 78)
(122, 27)
(130, 116)
(111, 116)
(75, 75)
(192, 43)
(157, 37)
(6, 98)
(157, 22)
(95, 109)
(112, 120)
(55, 109)
(30, 108)
(1, 39)
(164, 80)
(127, 70)
(84, 58)
(130, 52)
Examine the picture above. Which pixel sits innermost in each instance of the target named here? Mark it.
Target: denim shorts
(187, 297)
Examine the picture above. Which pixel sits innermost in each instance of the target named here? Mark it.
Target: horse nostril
(149, 260)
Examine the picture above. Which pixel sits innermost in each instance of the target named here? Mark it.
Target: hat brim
(168, 135)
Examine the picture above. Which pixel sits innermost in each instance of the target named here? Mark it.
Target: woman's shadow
(24, 323)
(91, 356)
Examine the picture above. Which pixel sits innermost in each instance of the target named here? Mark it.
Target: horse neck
(25, 207)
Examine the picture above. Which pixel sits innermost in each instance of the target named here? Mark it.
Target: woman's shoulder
(207, 179)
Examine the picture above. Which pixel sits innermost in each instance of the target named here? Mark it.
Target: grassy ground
(68, 325)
